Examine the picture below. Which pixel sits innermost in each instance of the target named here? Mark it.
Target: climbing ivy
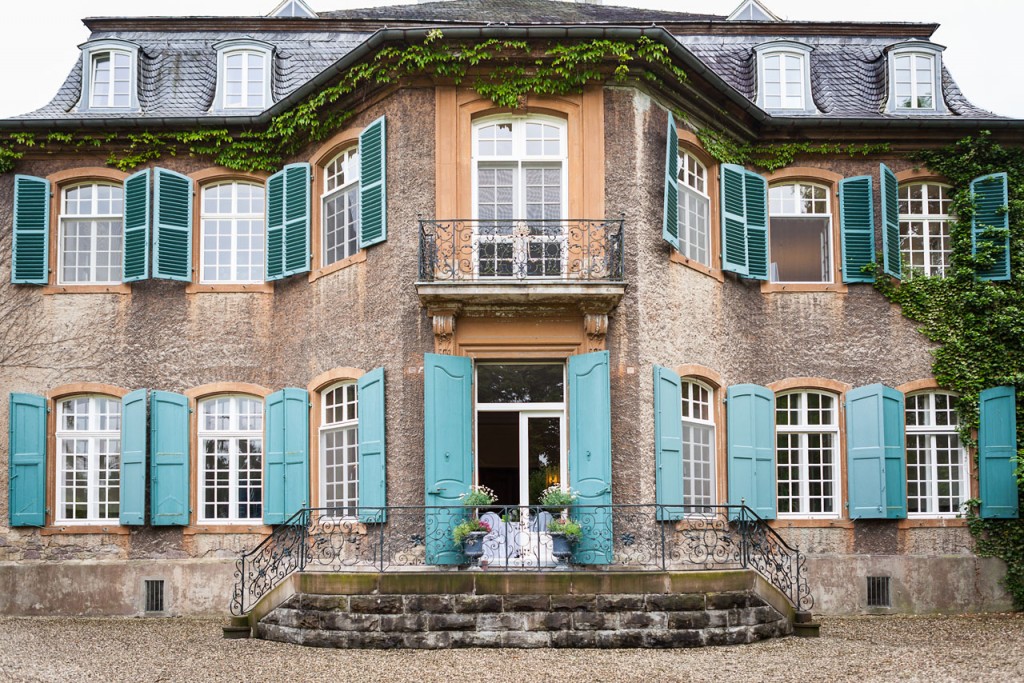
(515, 69)
(774, 156)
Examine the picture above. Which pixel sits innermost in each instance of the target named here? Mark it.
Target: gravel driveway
(978, 648)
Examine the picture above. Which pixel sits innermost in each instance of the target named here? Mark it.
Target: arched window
(232, 241)
(799, 233)
(230, 441)
(91, 234)
(88, 473)
(914, 80)
(784, 76)
(937, 471)
(807, 454)
(924, 227)
(340, 214)
(111, 79)
(694, 210)
(698, 443)
(245, 79)
(339, 449)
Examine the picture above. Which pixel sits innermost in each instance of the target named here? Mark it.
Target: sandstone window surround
(691, 203)
(800, 243)
(91, 234)
(807, 454)
(230, 459)
(340, 210)
(699, 442)
(937, 466)
(339, 449)
(88, 440)
(694, 210)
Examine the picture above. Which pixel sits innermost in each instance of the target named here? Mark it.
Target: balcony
(544, 262)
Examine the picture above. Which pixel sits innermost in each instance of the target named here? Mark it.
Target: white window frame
(803, 430)
(233, 434)
(912, 50)
(932, 432)
(348, 429)
(346, 164)
(781, 49)
(234, 216)
(933, 225)
(828, 250)
(93, 435)
(91, 53)
(694, 205)
(691, 399)
(244, 48)
(93, 218)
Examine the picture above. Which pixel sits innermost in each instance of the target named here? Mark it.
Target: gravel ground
(977, 647)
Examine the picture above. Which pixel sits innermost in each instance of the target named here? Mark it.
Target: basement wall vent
(878, 592)
(155, 595)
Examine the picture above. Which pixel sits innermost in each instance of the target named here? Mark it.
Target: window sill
(87, 289)
(253, 288)
(773, 287)
(714, 273)
(83, 529)
(931, 522)
(262, 529)
(784, 523)
(358, 257)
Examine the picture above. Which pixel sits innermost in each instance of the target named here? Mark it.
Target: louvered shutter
(670, 225)
(875, 453)
(135, 262)
(26, 468)
(30, 262)
(734, 219)
(755, 197)
(857, 227)
(668, 443)
(286, 481)
(892, 262)
(275, 227)
(133, 458)
(288, 193)
(373, 224)
(372, 472)
(172, 225)
(751, 446)
(997, 451)
(990, 224)
(168, 469)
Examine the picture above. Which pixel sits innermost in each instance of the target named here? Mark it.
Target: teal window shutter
(997, 452)
(892, 263)
(273, 460)
(755, 197)
(750, 435)
(136, 230)
(168, 468)
(734, 219)
(590, 453)
(172, 225)
(133, 458)
(857, 227)
(670, 226)
(448, 449)
(373, 210)
(30, 262)
(286, 457)
(372, 473)
(27, 460)
(288, 193)
(990, 224)
(875, 453)
(668, 443)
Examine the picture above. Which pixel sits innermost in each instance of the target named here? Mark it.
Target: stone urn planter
(473, 546)
(561, 546)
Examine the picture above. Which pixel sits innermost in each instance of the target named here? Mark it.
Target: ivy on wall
(772, 157)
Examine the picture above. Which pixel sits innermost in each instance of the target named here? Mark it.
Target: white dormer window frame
(110, 76)
(791, 61)
(249, 64)
(922, 94)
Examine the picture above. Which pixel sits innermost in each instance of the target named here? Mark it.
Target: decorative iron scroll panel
(486, 250)
(705, 537)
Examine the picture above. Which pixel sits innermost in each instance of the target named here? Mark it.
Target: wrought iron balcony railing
(521, 250)
(615, 538)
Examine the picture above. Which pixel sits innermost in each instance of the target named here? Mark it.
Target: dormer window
(243, 75)
(783, 77)
(915, 77)
(109, 75)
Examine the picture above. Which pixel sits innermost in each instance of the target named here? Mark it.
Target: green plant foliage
(572, 530)
(978, 325)
(514, 70)
(463, 529)
(772, 157)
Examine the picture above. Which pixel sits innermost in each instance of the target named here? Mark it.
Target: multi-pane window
(245, 73)
(339, 450)
(694, 210)
(232, 233)
(924, 227)
(91, 234)
(231, 459)
(914, 81)
(937, 474)
(698, 444)
(111, 79)
(799, 233)
(341, 207)
(783, 80)
(519, 168)
(807, 454)
(88, 459)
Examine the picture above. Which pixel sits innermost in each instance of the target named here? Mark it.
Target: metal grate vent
(155, 595)
(878, 591)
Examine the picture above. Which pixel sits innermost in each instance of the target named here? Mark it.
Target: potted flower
(565, 533)
(478, 496)
(470, 535)
(555, 500)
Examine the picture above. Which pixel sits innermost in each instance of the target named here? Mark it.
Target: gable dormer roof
(752, 10)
